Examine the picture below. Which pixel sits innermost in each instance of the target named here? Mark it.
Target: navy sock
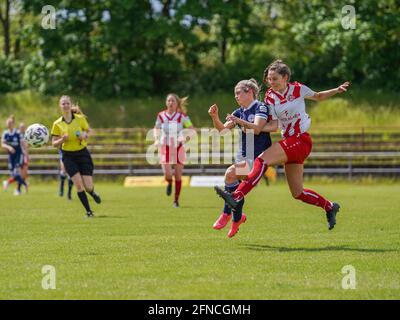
(20, 181)
(91, 192)
(83, 197)
(62, 180)
(238, 211)
(70, 185)
(230, 188)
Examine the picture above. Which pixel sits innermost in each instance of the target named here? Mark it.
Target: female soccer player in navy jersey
(168, 136)
(287, 104)
(25, 150)
(13, 143)
(254, 115)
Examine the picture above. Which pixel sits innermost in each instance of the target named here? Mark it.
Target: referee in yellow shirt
(70, 133)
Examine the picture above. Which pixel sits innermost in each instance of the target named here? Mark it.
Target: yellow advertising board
(151, 181)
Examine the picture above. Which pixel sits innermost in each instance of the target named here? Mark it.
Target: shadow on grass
(259, 247)
(196, 207)
(110, 217)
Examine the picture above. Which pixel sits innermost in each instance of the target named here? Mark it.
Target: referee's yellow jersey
(75, 128)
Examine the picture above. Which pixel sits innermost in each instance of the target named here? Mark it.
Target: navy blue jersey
(13, 139)
(262, 141)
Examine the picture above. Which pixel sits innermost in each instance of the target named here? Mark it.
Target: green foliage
(10, 74)
(355, 109)
(138, 48)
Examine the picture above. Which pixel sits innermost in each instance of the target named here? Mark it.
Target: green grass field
(139, 247)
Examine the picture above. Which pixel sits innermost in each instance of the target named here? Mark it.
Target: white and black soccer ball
(36, 135)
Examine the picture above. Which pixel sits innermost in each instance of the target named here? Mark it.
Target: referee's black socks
(83, 197)
(95, 196)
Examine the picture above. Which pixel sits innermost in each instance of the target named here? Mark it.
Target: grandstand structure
(122, 152)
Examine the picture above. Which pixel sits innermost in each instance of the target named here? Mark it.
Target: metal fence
(352, 164)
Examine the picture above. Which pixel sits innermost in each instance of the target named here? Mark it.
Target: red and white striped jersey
(171, 126)
(290, 109)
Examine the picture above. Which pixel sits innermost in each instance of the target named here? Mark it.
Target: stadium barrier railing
(319, 163)
(122, 151)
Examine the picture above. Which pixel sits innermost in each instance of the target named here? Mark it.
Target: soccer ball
(36, 135)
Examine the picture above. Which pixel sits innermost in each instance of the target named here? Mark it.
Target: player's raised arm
(257, 126)
(213, 112)
(57, 141)
(322, 95)
(5, 146)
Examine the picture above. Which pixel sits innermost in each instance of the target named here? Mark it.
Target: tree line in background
(111, 48)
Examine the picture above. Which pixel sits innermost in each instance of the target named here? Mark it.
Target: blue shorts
(15, 161)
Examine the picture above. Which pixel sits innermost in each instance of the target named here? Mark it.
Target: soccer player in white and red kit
(288, 108)
(168, 135)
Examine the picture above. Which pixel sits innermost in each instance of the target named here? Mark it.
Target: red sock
(251, 180)
(11, 180)
(311, 197)
(168, 180)
(178, 186)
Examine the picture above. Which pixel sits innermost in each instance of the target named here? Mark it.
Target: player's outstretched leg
(331, 208)
(95, 196)
(21, 182)
(178, 188)
(235, 226)
(7, 182)
(227, 196)
(226, 213)
(245, 186)
(238, 218)
(70, 185)
(85, 202)
(62, 182)
(169, 187)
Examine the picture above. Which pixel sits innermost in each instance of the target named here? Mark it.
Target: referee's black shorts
(78, 161)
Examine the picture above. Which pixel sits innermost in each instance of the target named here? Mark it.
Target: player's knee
(79, 186)
(230, 175)
(88, 189)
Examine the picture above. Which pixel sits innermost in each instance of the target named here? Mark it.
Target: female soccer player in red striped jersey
(288, 107)
(168, 136)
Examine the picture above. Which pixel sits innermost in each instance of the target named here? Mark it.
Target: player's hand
(64, 137)
(343, 87)
(183, 139)
(213, 111)
(11, 150)
(83, 136)
(230, 117)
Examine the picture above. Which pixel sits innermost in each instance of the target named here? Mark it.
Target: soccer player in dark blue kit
(252, 117)
(12, 142)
